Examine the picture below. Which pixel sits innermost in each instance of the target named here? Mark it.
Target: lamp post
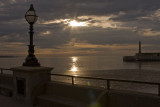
(31, 18)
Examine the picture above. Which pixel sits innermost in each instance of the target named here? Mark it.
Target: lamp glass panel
(30, 13)
(30, 19)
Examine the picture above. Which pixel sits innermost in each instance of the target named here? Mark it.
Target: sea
(111, 67)
(81, 63)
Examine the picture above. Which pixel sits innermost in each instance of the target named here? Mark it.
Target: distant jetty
(142, 56)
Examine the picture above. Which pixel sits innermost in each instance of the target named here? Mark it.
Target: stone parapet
(27, 79)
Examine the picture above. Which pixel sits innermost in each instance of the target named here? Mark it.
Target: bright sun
(74, 23)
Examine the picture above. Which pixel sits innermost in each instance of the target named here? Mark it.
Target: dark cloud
(108, 36)
(58, 36)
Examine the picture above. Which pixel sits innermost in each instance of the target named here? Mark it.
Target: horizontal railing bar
(5, 69)
(2, 70)
(118, 80)
(62, 75)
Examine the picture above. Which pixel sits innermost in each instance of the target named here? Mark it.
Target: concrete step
(81, 93)
(65, 95)
(119, 98)
(56, 101)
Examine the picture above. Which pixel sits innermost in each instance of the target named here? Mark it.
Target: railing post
(158, 89)
(1, 70)
(108, 84)
(72, 80)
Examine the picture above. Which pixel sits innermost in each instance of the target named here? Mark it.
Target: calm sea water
(81, 63)
(98, 66)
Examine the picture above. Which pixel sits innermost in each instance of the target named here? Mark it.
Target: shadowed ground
(9, 102)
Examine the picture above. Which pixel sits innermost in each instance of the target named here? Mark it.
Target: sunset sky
(81, 27)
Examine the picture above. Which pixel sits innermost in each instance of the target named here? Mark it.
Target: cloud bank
(111, 26)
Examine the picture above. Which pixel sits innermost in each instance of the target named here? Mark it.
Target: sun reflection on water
(74, 59)
(74, 67)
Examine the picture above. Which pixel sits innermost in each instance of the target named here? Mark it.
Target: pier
(143, 56)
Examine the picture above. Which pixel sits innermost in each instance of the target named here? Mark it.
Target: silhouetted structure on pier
(140, 56)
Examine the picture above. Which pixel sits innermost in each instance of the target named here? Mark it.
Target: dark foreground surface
(9, 102)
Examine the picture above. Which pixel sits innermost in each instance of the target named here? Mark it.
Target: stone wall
(6, 84)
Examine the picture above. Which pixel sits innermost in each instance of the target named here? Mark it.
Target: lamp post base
(31, 61)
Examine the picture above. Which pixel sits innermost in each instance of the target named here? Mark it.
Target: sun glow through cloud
(74, 23)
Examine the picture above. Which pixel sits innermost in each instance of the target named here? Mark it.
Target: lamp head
(30, 15)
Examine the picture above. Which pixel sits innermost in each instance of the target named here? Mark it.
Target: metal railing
(109, 80)
(2, 70)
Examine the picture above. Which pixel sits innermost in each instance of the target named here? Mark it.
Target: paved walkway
(9, 102)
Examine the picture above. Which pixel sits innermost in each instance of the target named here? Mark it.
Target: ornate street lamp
(31, 18)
